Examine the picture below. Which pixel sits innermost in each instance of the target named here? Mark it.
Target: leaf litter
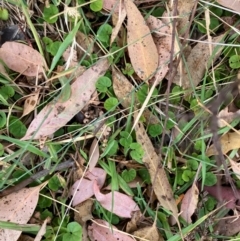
(149, 50)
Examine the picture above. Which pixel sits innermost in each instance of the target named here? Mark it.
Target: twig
(35, 177)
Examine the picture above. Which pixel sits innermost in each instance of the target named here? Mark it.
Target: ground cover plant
(119, 120)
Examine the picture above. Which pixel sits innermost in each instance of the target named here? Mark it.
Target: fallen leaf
(189, 203)
(56, 114)
(30, 103)
(162, 39)
(84, 211)
(159, 179)
(149, 233)
(18, 208)
(234, 5)
(225, 117)
(141, 47)
(197, 62)
(124, 90)
(116, 202)
(133, 224)
(22, 58)
(229, 141)
(85, 44)
(42, 231)
(100, 230)
(83, 189)
(121, 16)
(83, 214)
(93, 154)
(184, 8)
(110, 5)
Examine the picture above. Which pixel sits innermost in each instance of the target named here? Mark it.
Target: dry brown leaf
(85, 44)
(225, 117)
(30, 103)
(83, 215)
(189, 203)
(22, 58)
(101, 230)
(18, 208)
(56, 114)
(229, 141)
(121, 16)
(93, 154)
(184, 13)
(123, 89)
(141, 47)
(42, 231)
(163, 40)
(159, 179)
(234, 5)
(84, 211)
(197, 62)
(149, 233)
(132, 225)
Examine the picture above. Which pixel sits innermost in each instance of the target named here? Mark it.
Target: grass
(181, 135)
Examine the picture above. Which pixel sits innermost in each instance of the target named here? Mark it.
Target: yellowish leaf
(229, 141)
(141, 47)
(148, 233)
(30, 103)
